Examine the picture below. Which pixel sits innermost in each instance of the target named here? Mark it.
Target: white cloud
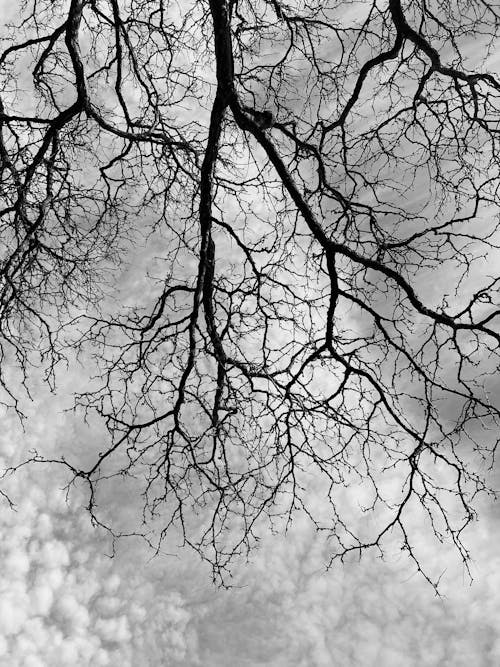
(64, 602)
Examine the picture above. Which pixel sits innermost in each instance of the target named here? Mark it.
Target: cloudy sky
(65, 601)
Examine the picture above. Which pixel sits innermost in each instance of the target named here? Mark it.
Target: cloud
(64, 601)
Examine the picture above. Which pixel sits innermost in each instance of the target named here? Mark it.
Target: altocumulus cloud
(64, 601)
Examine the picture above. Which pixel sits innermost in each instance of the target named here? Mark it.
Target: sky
(65, 601)
(68, 596)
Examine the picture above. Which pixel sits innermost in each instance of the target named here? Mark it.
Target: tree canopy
(320, 180)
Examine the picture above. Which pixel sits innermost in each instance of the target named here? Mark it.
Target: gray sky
(64, 601)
